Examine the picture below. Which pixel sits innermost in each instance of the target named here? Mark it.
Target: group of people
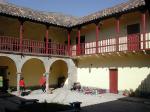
(42, 83)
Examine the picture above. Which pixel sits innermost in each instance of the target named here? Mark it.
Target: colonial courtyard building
(109, 49)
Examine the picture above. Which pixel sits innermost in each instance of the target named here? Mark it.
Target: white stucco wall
(98, 77)
(132, 71)
(131, 78)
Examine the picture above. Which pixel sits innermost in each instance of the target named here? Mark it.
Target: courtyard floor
(90, 103)
(65, 96)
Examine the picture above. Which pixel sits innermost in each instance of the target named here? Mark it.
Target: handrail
(133, 42)
(11, 44)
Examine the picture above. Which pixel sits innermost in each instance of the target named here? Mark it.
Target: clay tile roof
(65, 20)
(131, 4)
(45, 17)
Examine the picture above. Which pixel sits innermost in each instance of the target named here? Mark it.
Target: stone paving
(90, 103)
(65, 96)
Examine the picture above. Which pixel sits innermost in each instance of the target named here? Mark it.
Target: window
(133, 29)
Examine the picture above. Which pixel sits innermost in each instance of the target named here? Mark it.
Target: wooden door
(113, 81)
(133, 42)
(133, 38)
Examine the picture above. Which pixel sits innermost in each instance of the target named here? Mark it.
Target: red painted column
(79, 34)
(97, 36)
(69, 32)
(46, 35)
(21, 35)
(144, 28)
(117, 33)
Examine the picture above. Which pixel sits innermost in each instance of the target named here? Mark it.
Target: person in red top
(43, 83)
(22, 84)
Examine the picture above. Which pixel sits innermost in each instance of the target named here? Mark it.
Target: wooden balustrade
(134, 42)
(11, 44)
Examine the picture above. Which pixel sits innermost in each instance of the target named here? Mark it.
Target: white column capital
(18, 73)
(47, 73)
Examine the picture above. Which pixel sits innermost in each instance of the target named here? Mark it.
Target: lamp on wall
(50, 68)
(90, 68)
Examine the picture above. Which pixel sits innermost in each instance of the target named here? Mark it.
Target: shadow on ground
(127, 104)
(12, 103)
(44, 107)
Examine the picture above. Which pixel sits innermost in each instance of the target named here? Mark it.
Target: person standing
(43, 83)
(22, 85)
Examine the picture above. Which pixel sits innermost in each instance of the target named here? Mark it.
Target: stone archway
(8, 72)
(58, 73)
(32, 70)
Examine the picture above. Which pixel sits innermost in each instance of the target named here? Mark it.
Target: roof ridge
(103, 12)
(63, 20)
(39, 11)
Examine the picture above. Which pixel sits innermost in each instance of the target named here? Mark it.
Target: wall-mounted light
(50, 68)
(91, 65)
(90, 68)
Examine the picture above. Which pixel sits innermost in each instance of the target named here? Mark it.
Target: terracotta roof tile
(131, 4)
(64, 20)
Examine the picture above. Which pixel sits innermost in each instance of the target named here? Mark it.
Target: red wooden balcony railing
(11, 44)
(32, 46)
(132, 42)
(57, 49)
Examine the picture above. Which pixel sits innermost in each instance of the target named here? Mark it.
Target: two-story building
(109, 49)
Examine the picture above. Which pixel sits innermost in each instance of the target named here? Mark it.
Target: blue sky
(69, 7)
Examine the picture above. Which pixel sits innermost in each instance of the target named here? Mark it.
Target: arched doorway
(32, 71)
(8, 70)
(58, 73)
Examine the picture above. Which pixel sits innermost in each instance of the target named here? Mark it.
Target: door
(133, 38)
(113, 80)
(82, 45)
(3, 79)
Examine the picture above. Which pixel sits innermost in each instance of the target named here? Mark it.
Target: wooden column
(143, 22)
(79, 34)
(69, 50)
(46, 35)
(97, 36)
(117, 32)
(21, 34)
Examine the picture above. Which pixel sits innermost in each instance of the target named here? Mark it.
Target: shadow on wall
(144, 88)
(114, 61)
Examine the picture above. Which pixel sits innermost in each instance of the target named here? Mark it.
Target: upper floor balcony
(31, 47)
(129, 43)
